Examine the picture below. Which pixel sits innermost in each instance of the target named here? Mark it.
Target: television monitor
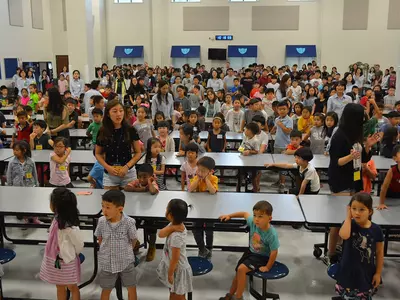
(216, 54)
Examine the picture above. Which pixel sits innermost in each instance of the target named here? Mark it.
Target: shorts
(128, 278)
(252, 261)
(349, 294)
(111, 180)
(278, 150)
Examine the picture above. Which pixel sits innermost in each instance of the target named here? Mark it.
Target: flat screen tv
(216, 54)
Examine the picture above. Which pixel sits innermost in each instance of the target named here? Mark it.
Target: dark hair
(192, 147)
(150, 142)
(207, 162)
(393, 114)
(115, 197)
(295, 133)
(308, 92)
(161, 83)
(397, 103)
(61, 139)
(97, 99)
(281, 103)
(178, 210)
(321, 116)
(253, 127)
(163, 124)
(56, 105)
(33, 85)
(3, 87)
(304, 153)
(41, 123)
(70, 100)
(259, 119)
(94, 84)
(396, 150)
(307, 108)
(158, 113)
(389, 136)
(65, 207)
(146, 169)
(335, 118)
(300, 105)
(27, 108)
(107, 129)
(67, 92)
(364, 199)
(187, 129)
(282, 85)
(350, 123)
(352, 77)
(97, 111)
(201, 110)
(22, 113)
(269, 90)
(341, 83)
(263, 206)
(24, 147)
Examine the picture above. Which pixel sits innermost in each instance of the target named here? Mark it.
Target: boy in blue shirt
(283, 127)
(263, 248)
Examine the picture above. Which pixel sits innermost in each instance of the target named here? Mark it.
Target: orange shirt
(304, 125)
(202, 186)
(291, 147)
(367, 182)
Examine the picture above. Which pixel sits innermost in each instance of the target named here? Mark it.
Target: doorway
(61, 61)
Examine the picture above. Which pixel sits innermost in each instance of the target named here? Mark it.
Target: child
(394, 120)
(236, 85)
(98, 102)
(167, 142)
(361, 265)
(96, 176)
(262, 136)
(59, 164)
(21, 169)
(296, 91)
(389, 141)
(317, 135)
(216, 141)
(156, 160)
(267, 103)
(295, 141)
(146, 181)
(195, 97)
(38, 139)
(298, 109)
(391, 184)
(143, 126)
(201, 113)
(116, 233)
(22, 129)
(252, 111)
(61, 265)
(3, 96)
(310, 183)
(204, 181)
(24, 97)
(34, 98)
(306, 120)
(62, 85)
(227, 105)
(73, 115)
(186, 137)
(189, 167)
(193, 120)
(174, 270)
(283, 127)
(390, 98)
(263, 248)
(331, 123)
(158, 117)
(250, 144)
(211, 104)
(234, 117)
(310, 97)
(29, 113)
(273, 84)
(320, 103)
(129, 116)
(94, 127)
(397, 106)
(381, 120)
(221, 95)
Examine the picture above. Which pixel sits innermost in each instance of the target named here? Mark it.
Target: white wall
(59, 36)
(25, 42)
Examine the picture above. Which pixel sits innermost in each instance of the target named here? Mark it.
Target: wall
(59, 36)
(25, 42)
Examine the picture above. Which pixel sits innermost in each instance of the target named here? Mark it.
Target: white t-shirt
(296, 92)
(190, 172)
(273, 86)
(268, 106)
(314, 82)
(310, 175)
(262, 138)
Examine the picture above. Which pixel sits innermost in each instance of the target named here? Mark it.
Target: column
(80, 37)
(159, 20)
(100, 46)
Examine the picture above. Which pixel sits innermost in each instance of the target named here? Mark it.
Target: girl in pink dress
(61, 265)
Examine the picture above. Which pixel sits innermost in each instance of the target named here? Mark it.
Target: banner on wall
(10, 67)
(301, 51)
(242, 51)
(185, 51)
(128, 51)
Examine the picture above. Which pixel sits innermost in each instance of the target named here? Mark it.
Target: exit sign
(224, 37)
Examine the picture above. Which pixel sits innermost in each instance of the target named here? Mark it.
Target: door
(61, 61)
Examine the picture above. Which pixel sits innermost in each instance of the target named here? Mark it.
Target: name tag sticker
(219, 136)
(39, 147)
(28, 175)
(357, 175)
(62, 168)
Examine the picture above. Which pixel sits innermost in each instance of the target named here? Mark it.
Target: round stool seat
(6, 255)
(332, 270)
(200, 266)
(81, 258)
(278, 271)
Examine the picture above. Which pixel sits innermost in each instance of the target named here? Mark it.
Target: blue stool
(278, 271)
(200, 266)
(332, 270)
(118, 283)
(6, 255)
(81, 259)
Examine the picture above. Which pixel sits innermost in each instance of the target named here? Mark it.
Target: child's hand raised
(224, 218)
(349, 216)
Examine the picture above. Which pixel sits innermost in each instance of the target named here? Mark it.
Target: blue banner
(242, 51)
(128, 51)
(185, 51)
(10, 66)
(301, 51)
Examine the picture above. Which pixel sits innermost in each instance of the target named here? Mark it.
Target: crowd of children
(307, 112)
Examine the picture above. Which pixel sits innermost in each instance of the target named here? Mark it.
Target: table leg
(239, 183)
(386, 242)
(95, 258)
(2, 228)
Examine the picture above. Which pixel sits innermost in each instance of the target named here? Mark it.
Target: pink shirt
(59, 173)
(190, 172)
(62, 86)
(24, 101)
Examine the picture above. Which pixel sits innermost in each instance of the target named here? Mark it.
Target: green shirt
(369, 127)
(33, 101)
(262, 242)
(93, 129)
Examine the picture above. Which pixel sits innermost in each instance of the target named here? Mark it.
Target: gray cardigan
(22, 174)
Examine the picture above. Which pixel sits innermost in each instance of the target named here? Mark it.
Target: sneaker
(281, 188)
(151, 254)
(276, 184)
(209, 254)
(204, 253)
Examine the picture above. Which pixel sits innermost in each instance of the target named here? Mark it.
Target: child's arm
(183, 180)
(181, 151)
(194, 184)
(153, 187)
(89, 131)
(91, 181)
(212, 189)
(286, 130)
(369, 172)
(223, 149)
(303, 186)
(62, 159)
(385, 187)
(313, 109)
(289, 151)
(282, 166)
(176, 253)
(242, 125)
(345, 230)
(273, 130)
(271, 261)
(241, 214)
(379, 264)
(132, 188)
(161, 171)
(32, 140)
(208, 144)
(307, 136)
(166, 231)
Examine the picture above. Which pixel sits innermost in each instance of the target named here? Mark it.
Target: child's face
(300, 162)
(217, 123)
(329, 121)
(305, 114)
(236, 105)
(311, 92)
(143, 178)
(318, 122)
(59, 148)
(294, 83)
(141, 114)
(202, 172)
(359, 212)
(17, 152)
(97, 118)
(4, 92)
(261, 219)
(180, 93)
(236, 82)
(24, 93)
(32, 90)
(396, 158)
(297, 110)
(295, 141)
(110, 210)
(38, 130)
(193, 119)
(70, 107)
(397, 107)
(282, 111)
(391, 92)
(394, 121)
(270, 96)
(248, 133)
(191, 155)
(156, 149)
(159, 118)
(100, 104)
(182, 136)
(379, 112)
(273, 80)
(162, 131)
(177, 80)
(22, 120)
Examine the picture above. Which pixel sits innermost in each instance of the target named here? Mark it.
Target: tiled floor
(307, 279)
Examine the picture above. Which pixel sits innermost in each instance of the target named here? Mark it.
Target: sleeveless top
(395, 183)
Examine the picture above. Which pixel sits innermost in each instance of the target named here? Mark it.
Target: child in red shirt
(368, 175)
(23, 129)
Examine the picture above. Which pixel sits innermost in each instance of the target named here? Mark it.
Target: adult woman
(163, 101)
(211, 104)
(347, 153)
(16, 77)
(30, 78)
(22, 82)
(359, 79)
(115, 142)
(76, 85)
(56, 114)
(349, 82)
(65, 71)
(214, 82)
(44, 79)
(354, 69)
(283, 90)
(385, 80)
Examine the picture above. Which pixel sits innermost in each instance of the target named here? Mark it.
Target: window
(128, 1)
(243, 0)
(185, 1)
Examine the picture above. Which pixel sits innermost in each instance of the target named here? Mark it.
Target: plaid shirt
(116, 251)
